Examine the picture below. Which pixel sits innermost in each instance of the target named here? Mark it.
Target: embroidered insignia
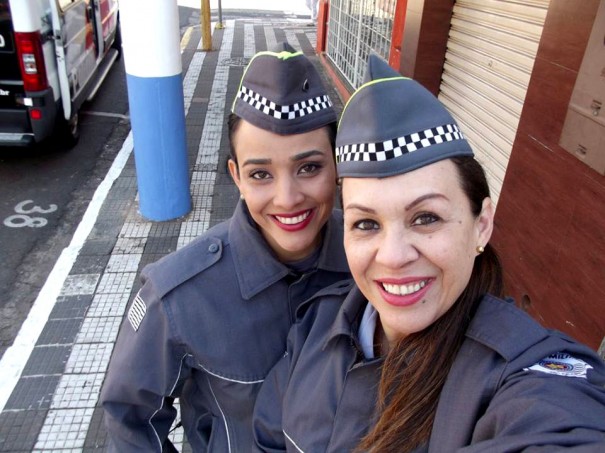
(561, 364)
(137, 312)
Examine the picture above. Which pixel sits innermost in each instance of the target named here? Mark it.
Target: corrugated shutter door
(490, 55)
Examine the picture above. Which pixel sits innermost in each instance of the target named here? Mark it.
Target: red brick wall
(550, 221)
(427, 24)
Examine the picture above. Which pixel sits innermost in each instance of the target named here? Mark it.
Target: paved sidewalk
(54, 404)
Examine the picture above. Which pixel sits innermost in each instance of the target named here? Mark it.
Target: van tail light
(35, 114)
(31, 61)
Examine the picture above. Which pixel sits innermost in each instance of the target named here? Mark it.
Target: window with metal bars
(355, 28)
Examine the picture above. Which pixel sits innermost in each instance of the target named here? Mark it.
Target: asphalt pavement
(51, 377)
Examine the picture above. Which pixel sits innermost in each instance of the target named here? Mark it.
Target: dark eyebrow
(360, 208)
(306, 154)
(422, 198)
(257, 162)
(416, 202)
(295, 158)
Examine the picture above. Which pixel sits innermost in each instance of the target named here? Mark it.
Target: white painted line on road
(105, 114)
(101, 324)
(15, 358)
(185, 39)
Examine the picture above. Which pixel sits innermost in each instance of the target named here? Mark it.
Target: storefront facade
(510, 71)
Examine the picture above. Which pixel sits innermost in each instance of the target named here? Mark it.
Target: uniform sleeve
(540, 412)
(147, 365)
(267, 418)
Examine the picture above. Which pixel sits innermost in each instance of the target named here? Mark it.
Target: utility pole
(220, 24)
(152, 57)
(205, 18)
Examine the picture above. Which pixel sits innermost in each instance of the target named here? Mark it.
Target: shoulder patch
(137, 312)
(178, 267)
(561, 364)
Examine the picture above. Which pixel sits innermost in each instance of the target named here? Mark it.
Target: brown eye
(366, 225)
(425, 218)
(260, 174)
(309, 169)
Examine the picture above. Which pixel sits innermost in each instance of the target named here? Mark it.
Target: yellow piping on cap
(365, 85)
(283, 55)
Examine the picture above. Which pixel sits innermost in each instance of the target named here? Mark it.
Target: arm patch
(561, 364)
(137, 312)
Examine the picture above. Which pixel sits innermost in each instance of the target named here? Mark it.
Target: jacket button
(213, 248)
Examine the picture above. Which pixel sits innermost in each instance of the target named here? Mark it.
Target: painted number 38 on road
(22, 218)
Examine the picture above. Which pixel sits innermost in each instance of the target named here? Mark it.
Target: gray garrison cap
(282, 92)
(392, 125)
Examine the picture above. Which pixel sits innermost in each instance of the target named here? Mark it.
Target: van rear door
(72, 45)
(14, 114)
(77, 26)
(9, 64)
(107, 21)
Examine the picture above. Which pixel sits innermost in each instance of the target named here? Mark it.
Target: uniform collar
(500, 338)
(332, 257)
(481, 329)
(258, 268)
(349, 316)
(367, 329)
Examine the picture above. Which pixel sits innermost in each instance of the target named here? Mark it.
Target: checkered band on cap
(391, 149)
(284, 112)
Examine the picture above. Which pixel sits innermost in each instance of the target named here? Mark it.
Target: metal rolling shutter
(490, 54)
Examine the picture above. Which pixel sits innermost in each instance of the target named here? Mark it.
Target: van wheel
(69, 131)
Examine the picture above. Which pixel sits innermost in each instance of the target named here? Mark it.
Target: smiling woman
(412, 253)
(212, 318)
(288, 183)
(420, 353)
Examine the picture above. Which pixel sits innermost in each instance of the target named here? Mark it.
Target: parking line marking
(105, 114)
(16, 356)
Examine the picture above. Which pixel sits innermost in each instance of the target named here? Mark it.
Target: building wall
(427, 23)
(550, 222)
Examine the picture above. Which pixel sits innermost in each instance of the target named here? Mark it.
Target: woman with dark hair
(212, 318)
(421, 353)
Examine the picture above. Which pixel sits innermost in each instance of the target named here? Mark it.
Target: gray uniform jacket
(209, 322)
(503, 393)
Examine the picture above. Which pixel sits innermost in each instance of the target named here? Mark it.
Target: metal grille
(355, 28)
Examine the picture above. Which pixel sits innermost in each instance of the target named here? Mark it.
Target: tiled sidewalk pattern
(54, 406)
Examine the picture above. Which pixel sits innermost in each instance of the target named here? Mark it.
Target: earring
(480, 249)
(241, 196)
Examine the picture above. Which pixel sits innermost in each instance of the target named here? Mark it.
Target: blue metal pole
(152, 57)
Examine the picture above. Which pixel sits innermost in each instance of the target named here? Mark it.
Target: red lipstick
(408, 299)
(295, 226)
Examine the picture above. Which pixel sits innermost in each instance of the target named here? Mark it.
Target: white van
(54, 54)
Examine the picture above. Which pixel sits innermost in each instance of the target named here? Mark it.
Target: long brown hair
(416, 368)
